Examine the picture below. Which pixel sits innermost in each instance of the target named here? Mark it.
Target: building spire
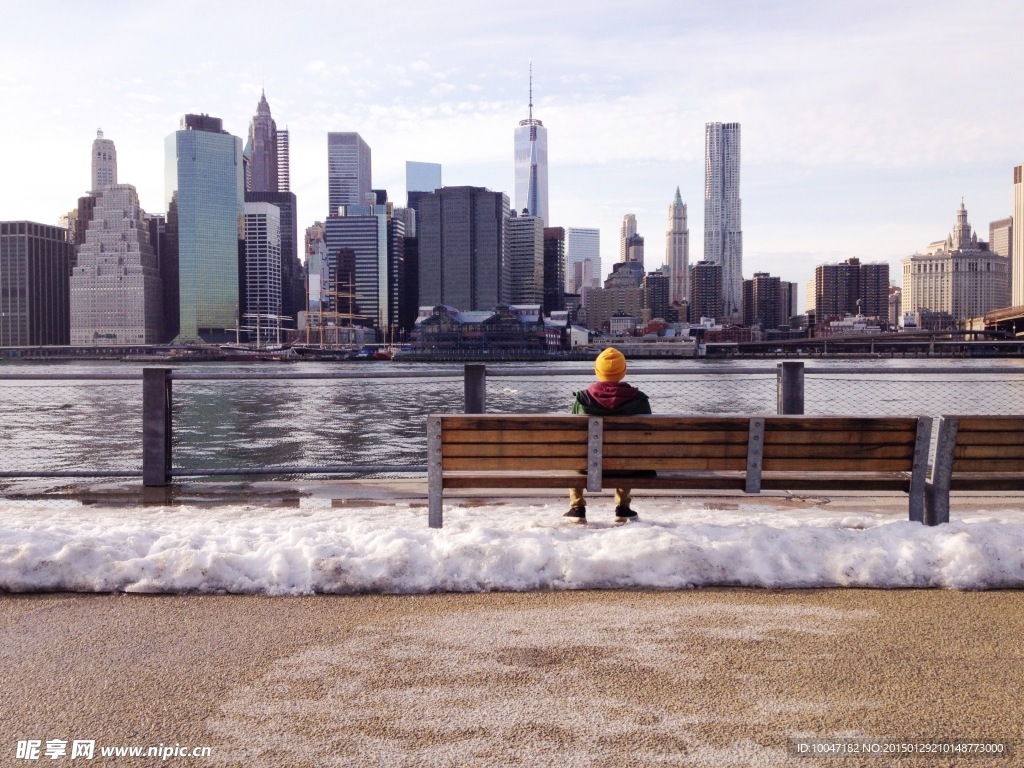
(531, 89)
(679, 198)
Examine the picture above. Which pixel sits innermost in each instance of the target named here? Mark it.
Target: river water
(67, 424)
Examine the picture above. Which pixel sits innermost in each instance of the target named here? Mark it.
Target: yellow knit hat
(610, 365)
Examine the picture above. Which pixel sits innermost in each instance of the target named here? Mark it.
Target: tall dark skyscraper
(35, 269)
(261, 151)
(463, 248)
(348, 171)
(705, 290)
(554, 269)
(366, 247)
(267, 180)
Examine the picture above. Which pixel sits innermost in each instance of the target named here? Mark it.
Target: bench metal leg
(435, 477)
(937, 494)
(919, 470)
(936, 505)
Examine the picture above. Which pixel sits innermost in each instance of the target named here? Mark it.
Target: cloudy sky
(863, 122)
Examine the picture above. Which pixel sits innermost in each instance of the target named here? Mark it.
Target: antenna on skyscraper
(531, 89)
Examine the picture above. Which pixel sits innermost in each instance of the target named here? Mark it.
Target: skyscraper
(204, 190)
(582, 244)
(531, 165)
(677, 251)
(116, 291)
(764, 303)
(104, 163)
(526, 259)
(554, 269)
(267, 181)
(626, 231)
(705, 290)
(463, 248)
(1017, 251)
(35, 261)
(1000, 237)
(851, 288)
(635, 249)
(366, 252)
(723, 231)
(262, 150)
(262, 272)
(348, 170)
(422, 177)
(284, 161)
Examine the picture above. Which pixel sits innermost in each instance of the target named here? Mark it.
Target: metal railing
(190, 422)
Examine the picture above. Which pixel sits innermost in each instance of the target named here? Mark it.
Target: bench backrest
(511, 443)
(833, 444)
(770, 443)
(675, 443)
(982, 444)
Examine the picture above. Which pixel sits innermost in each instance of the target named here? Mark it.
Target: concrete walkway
(721, 677)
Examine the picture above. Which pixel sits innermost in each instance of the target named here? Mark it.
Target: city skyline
(845, 152)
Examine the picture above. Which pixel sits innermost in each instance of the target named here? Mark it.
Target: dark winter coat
(613, 398)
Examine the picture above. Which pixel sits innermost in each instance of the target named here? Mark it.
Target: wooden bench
(748, 454)
(974, 453)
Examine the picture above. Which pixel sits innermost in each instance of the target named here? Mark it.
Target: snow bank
(676, 545)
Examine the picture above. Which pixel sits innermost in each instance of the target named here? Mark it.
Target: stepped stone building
(116, 291)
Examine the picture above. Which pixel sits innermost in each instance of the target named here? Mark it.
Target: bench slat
(988, 451)
(515, 450)
(706, 463)
(990, 438)
(987, 481)
(672, 437)
(837, 468)
(674, 424)
(511, 463)
(504, 422)
(839, 424)
(514, 480)
(514, 436)
(670, 450)
(841, 437)
(847, 451)
(987, 465)
(990, 423)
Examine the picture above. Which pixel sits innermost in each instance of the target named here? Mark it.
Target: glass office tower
(204, 188)
(348, 171)
(422, 177)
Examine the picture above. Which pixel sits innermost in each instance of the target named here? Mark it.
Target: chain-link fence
(93, 425)
(307, 423)
(69, 426)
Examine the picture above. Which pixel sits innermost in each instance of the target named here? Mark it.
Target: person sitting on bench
(608, 396)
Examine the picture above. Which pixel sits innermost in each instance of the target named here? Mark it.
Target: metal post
(476, 388)
(156, 426)
(791, 388)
